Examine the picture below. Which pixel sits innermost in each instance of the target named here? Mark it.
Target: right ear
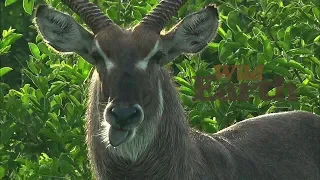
(190, 35)
(63, 33)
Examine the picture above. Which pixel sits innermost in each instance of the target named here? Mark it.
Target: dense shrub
(43, 94)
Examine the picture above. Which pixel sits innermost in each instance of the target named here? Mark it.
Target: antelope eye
(157, 57)
(96, 56)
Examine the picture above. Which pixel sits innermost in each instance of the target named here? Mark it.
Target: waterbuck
(136, 127)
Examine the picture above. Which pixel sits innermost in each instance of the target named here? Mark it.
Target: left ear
(63, 33)
(191, 34)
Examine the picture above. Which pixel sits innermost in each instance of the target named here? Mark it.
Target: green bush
(43, 94)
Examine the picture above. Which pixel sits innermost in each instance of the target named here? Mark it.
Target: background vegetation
(43, 94)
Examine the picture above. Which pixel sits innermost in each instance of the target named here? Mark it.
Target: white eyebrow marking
(109, 64)
(144, 63)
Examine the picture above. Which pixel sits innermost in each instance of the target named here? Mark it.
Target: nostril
(126, 74)
(121, 113)
(124, 117)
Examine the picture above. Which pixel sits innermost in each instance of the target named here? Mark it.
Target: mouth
(118, 136)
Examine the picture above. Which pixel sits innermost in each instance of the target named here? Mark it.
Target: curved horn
(90, 13)
(160, 16)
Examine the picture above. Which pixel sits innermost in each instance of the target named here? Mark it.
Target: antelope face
(128, 61)
(128, 68)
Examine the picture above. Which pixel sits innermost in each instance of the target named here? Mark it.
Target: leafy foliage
(43, 94)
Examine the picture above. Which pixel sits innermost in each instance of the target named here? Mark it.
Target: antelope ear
(63, 33)
(191, 34)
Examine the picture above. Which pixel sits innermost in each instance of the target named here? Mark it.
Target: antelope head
(129, 61)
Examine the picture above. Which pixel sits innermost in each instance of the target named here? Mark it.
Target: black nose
(125, 115)
(121, 113)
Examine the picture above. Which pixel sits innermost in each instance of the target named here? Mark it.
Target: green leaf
(256, 31)
(1, 96)
(306, 81)
(5, 70)
(196, 119)
(38, 38)
(74, 100)
(316, 12)
(255, 44)
(44, 169)
(186, 91)
(307, 17)
(281, 61)
(28, 6)
(36, 81)
(299, 51)
(187, 100)
(7, 3)
(209, 125)
(43, 84)
(137, 15)
(43, 48)
(252, 10)
(204, 72)
(297, 65)
(222, 33)
(55, 88)
(6, 33)
(247, 106)
(32, 66)
(241, 38)
(232, 20)
(267, 48)
(314, 60)
(10, 39)
(45, 106)
(316, 39)
(34, 50)
(307, 91)
(2, 172)
(183, 82)
(7, 133)
(213, 46)
(69, 109)
(278, 69)
(65, 163)
(244, 9)
(142, 10)
(272, 92)
(283, 45)
(287, 36)
(5, 50)
(113, 13)
(271, 6)
(233, 3)
(264, 4)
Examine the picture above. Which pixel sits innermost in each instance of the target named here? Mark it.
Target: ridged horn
(163, 12)
(90, 13)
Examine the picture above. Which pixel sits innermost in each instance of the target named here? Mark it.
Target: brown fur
(280, 146)
(140, 41)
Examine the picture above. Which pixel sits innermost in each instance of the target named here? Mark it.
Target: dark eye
(157, 57)
(96, 56)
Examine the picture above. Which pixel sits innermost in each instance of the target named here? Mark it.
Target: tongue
(117, 136)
